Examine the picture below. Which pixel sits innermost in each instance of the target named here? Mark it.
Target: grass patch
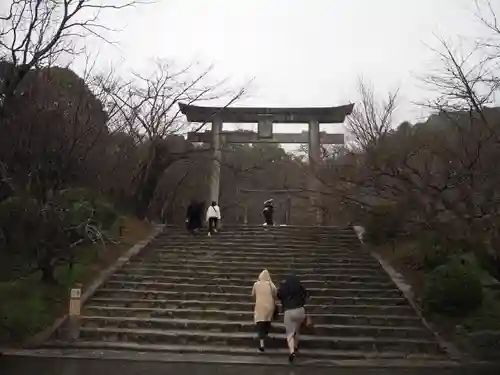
(28, 306)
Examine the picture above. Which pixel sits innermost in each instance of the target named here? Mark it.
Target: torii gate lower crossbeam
(265, 118)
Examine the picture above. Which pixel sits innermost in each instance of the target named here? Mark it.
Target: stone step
(257, 243)
(247, 283)
(338, 306)
(214, 279)
(247, 315)
(283, 227)
(277, 230)
(243, 339)
(266, 234)
(327, 355)
(258, 264)
(290, 240)
(234, 290)
(260, 232)
(276, 249)
(253, 269)
(178, 272)
(269, 257)
(270, 253)
(267, 253)
(249, 327)
(341, 297)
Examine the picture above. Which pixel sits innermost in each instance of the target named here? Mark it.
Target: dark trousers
(263, 329)
(268, 217)
(212, 224)
(193, 224)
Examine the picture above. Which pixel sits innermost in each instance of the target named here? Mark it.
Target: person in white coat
(213, 217)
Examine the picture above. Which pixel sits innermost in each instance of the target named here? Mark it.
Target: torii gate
(265, 118)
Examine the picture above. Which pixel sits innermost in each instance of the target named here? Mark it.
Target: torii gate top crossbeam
(276, 115)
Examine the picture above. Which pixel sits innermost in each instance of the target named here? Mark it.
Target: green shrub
(39, 236)
(435, 250)
(452, 289)
(88, 203)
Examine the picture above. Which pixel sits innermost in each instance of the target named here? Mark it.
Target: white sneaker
(209, 234)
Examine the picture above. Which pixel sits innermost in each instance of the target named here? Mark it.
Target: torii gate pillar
(314, 148)
(214, 181)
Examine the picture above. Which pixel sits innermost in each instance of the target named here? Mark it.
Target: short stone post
(75, 305)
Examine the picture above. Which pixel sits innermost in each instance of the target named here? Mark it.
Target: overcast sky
(299, 52)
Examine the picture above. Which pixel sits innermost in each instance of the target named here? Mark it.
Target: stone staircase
(191, 294)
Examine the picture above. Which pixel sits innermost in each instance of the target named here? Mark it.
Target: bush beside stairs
(191, 294)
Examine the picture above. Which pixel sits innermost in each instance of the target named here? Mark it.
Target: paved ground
(48, 366)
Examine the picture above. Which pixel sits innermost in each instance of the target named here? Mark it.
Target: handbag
(276, 313)
(308, 323)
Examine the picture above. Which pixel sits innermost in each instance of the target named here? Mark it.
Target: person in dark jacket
(193, 216)
(293, 297)
(268, 212)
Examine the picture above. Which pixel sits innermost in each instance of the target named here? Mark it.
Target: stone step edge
(251, 335)
(209, 259)
(141, 347)
(239, 295)
(286, 239)
(244, 323)
(296, 236)
(239, 283)
(249, 243)
(247, 255)
(278, 248)
(246, 312)
(260, 255)
(220, 264)
(136, 273)
(253, 268)
(131, 267)
(250, 304)
(249, 287)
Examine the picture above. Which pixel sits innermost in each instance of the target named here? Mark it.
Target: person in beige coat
(265, 294)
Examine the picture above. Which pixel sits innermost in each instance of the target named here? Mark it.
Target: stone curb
(407, 291)
(103, 276)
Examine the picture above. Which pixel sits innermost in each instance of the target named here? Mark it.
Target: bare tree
(370, 120)
(35, 33)
(146, 107)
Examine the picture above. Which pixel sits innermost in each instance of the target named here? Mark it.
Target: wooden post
(75, 305)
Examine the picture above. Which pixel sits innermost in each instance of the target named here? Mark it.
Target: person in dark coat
(193, 217)
(293, 297)
(268, 212)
